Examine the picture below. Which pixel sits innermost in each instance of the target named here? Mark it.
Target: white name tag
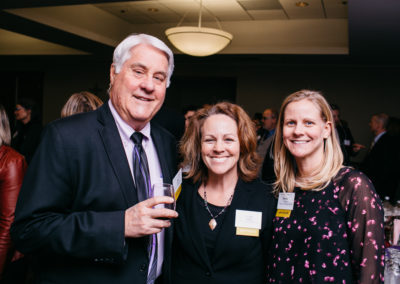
(177, 183)
(286, 200)
(248, 219)
(347, 142)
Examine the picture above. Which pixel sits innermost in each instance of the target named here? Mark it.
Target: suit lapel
(116, 154)
(163, 154)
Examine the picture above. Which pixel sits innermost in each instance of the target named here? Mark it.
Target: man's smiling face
(138, 90)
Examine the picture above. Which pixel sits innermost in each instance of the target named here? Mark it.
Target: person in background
(381, 164)
(80, 102)
(188, 113)
(85, 210)
(257, 123)
(12, 170)
(219, 145)
(349, 148)
(268, 119)
(265, 145)
(332, 227)
(393, 129)
(26, 137)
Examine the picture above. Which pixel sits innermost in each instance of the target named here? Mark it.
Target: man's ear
(112, 74)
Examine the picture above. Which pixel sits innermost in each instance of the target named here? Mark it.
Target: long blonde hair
(80, 102)
(5, 134)
(284, 163)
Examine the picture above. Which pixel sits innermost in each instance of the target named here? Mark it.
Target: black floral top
(333, 235)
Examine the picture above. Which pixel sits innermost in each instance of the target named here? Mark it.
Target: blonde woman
(80, 102)
(334, 232)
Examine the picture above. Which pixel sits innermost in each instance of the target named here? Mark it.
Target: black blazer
(70, 212)
(237, 259)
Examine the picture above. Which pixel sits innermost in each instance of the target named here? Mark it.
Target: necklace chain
(208, 209)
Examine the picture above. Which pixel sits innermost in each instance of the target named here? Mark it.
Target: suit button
(143, 267)
(208, 274)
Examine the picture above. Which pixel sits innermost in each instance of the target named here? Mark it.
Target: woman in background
(335, 230)
(12, 170)
(27, 135)
(209, 247)
(80, 102)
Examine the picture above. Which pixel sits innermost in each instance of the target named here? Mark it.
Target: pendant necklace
(213, 223)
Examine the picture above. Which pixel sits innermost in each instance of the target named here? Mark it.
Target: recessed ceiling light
(152, 10)
(302, 4)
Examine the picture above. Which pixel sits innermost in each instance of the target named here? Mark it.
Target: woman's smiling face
(304, 131)
(220, 145)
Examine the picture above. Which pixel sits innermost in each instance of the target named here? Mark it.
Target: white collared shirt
(125, 132)
(377, 137)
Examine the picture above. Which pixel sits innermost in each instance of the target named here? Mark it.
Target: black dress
(333, 235)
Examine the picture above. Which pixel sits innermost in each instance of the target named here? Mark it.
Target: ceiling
(258, 26)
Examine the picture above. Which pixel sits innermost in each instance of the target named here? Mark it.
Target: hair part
(123, 51)
(190, 146)
(5, 133)
(284, 162)
(80, 102)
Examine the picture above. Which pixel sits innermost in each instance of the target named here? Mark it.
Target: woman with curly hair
(223, 231)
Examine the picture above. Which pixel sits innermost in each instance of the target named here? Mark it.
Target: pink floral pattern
(335, 235)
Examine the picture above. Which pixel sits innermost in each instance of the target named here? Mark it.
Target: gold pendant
(212, 224)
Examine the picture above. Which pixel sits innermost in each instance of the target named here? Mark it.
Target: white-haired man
(86, 208)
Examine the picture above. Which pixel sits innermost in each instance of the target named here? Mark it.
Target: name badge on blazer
(248, 223)
(177, 183)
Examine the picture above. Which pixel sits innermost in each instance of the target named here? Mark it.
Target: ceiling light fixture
(198, 41)
(302, 4)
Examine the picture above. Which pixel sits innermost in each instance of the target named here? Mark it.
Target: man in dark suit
(346, 140)
(265, 145)
(381, 164)
(83, 212)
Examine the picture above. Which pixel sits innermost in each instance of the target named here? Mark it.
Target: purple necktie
(143, 188)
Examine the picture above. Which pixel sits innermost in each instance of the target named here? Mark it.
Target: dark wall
(255, 82)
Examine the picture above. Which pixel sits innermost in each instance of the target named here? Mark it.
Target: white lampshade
(198, 41)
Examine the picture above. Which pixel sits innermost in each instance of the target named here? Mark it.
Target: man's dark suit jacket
(70, 213)
(237, 259)
(381, 165)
